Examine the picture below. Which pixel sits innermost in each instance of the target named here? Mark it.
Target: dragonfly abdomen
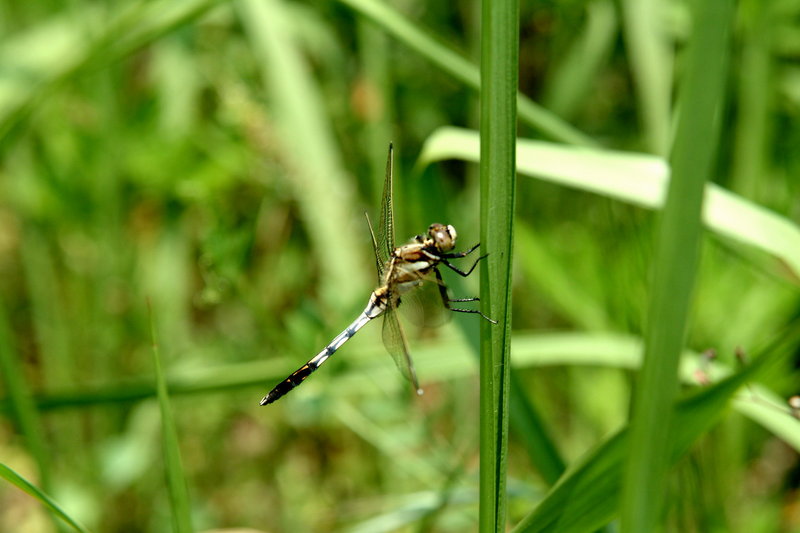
(374, 308)
(289, 383)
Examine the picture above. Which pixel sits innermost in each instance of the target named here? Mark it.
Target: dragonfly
(405, 273)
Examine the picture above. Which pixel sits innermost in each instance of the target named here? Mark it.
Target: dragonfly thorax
(444, 237)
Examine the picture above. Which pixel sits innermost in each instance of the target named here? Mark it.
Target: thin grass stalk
(499, 76)
(176, 478)
(676, 261)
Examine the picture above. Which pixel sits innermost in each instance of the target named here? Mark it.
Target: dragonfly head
(444, 237)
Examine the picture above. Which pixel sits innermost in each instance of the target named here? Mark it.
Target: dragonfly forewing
(385, 240)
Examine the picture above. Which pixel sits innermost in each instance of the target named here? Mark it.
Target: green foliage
(216, 159)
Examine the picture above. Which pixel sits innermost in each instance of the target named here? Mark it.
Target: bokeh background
(205, 166)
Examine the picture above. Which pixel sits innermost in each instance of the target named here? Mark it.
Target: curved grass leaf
(15, 479)
(637, 179)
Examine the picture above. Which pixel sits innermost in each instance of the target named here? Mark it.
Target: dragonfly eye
(443, 236)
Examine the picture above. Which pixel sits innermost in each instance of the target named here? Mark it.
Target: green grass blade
(650, 53)
(676, 261)
(499, 76)
(638, 179)
(462, 69)
(176, 479)
(588, 496)
(23, 484)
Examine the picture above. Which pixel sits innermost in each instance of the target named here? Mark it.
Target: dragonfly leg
(458, 255)
(457, 270)
(446, 300)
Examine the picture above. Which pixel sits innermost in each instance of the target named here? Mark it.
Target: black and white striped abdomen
(375, 307)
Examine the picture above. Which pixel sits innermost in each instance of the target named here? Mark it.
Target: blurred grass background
(216, 158)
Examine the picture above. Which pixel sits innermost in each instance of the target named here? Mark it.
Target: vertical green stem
(499, 74)
(678, 247)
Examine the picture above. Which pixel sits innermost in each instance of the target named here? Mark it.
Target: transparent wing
(423, 305)
(395, 342)
(385, 241)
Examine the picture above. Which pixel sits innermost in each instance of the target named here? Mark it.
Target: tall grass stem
(499, 76)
